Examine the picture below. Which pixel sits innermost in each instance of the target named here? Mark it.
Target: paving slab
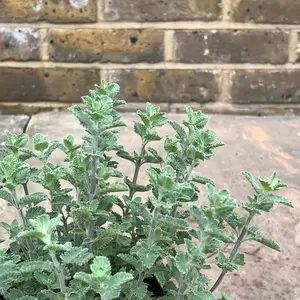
(257, 144)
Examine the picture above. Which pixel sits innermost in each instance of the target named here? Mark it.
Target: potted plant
(106, 242)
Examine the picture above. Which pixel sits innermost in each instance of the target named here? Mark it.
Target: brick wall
(227, 56)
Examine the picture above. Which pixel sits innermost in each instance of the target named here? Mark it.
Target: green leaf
(35, 266)
(281, 200)
(223, 262)
(147, 254)
(252, 181)
(7, 196)
(40, 142)
(254, 235)
(69, 141)
(196, 118)
(77, 255)
(171, 145)
(183, 263)
(34, 198)
(101, 267)
(28, 298)
(180, 132)
(239, 259)
(202, 180)
(272, 183)
(125, 155)
(34, 212)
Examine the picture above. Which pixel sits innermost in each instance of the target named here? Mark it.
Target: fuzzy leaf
(272, 183)
(34, 266)
(252, 181)
(76, 255)
(34, 198)
(40, 142)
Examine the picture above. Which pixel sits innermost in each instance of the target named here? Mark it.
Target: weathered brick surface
(298, 49)
(19, 44)
(39, 84)
(106, 45)
(70, 11)
(167, 85)
(232, 46)
(266, 11)
(19, 10)
(165, 10)
(263, 86)
(56, 11)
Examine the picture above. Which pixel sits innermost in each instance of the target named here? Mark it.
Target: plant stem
(188, 174)
(234, 251)
(93, 187)
(131, 193)
(138, 165)
(151, 236)
(186, 178)
(59, 271)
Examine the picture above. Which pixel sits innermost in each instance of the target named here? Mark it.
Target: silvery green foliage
(105, 241)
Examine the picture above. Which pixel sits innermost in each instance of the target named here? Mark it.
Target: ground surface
(259, 145)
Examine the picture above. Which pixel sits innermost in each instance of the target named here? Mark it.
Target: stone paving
(257, 144)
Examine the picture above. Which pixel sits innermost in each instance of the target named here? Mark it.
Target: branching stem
(234, 251)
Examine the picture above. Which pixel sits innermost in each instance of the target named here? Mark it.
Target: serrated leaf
(35, 266)
(252, 181)
(34, 198)
(77, 255)
(183, 262)
(40, 142)
(147, 254)
(202, 180)
(254, 235)
(239, 259)
(281, 200)
(180, 132)
(125, 155)
(7, 196)
(34, 212)
(223, 262)
(272, 183)
(170, 145)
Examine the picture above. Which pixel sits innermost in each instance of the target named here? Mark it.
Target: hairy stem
(188, 174)
(151, 236)
(234, 251)
(131, 193)
(59, 271)
(186, 178)
(93, 187)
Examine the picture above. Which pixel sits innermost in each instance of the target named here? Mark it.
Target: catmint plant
(101, 238)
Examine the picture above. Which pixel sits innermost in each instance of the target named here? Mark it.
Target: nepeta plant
(101, 240)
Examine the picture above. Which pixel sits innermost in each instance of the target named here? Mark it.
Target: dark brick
(263, 86)
(106, 45)
(19, 44)
(165, 10)
(55, 11)
(167, 85)
(232, 46)
(29, 85)
(266, 11)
